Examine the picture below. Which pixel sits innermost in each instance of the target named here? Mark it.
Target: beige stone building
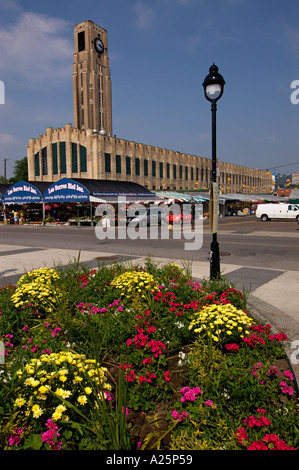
(89, 150)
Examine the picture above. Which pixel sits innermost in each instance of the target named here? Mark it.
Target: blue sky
(160, 52)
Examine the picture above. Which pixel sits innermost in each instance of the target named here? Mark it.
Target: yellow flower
(37, 411)
(82, 399)
(20, 402)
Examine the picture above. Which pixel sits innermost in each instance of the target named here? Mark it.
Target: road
(243, 241)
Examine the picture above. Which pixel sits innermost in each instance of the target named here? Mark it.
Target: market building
(89, 149)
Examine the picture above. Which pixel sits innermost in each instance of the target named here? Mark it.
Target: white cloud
(6, 139)
(273, 139)
(35, 48)
(144, 15)
(292, 35)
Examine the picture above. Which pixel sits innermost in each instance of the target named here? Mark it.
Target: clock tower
(91, 79)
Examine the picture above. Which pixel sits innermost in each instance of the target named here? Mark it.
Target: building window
(192, 174)
(174, 171)
(161, 169)
(74, 158)
(186, 172)
(145, 167)
(81, 41)
(118, 164)
(197, 174)
(83, 159)
(36, 164)
(62, 158)
(54, 159)
(153, 169)
(168, 170)
(128, 165)
(107, 163)
(137, 167)
(44, 161)
(181, 171)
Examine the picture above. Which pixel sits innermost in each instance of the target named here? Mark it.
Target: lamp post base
(214, 259)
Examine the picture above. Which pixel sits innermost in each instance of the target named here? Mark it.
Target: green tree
(21, 170)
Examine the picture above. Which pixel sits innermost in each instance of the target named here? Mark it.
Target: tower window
(62, 157)
(44, 161)
(54, 159)
(83, 160)
(36, 164)
(118, 163)
(137, 167)
(81, 41)
(128, 165)
(107, 163)
(145, 167)
(74, 158)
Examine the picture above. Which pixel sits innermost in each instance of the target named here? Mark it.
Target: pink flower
(288, 374)
(241, 434)
(151, 329)
(257, 445)
(286, 389)
(189, 394)
(16, 437)
(166, 376)
(180, 416)
(147, 360)
(209, 403)
(232, 346)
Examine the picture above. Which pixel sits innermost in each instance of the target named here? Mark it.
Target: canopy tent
(83, 190)
(173, 196)
(73, 190)
(22, 192)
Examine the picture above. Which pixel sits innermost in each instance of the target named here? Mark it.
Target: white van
(277, 211)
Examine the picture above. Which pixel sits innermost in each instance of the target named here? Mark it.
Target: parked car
(277, 211)
(179, 218)
(151, 216)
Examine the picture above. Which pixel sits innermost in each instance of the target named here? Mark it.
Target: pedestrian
(16, 217)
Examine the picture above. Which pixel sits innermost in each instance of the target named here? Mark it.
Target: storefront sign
(22, 193)
(66, 190)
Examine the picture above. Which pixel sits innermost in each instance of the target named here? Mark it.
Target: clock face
(99, 46)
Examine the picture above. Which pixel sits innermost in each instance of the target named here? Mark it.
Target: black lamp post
(213, 86)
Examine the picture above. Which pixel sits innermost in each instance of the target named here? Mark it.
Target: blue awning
(22, 193)
(66, 190)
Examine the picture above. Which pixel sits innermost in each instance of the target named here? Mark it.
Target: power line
(280, 166)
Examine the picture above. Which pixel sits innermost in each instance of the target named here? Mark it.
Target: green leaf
(33, 442)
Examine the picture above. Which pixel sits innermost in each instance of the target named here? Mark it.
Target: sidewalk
(272, 293)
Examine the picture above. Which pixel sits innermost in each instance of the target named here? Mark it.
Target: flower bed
(127, 358)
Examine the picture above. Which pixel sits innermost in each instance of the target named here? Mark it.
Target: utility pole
(5, 160)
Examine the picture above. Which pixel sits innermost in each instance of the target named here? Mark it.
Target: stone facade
(73, 153)
(88, 150)
(91, 79)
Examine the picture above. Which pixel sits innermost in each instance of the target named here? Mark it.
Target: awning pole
(91, 215)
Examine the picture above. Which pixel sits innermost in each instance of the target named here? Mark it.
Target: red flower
(257, 445)
(147, 360)
(232, 346)
(166, 376)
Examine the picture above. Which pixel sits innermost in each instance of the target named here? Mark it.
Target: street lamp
(213, 87)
